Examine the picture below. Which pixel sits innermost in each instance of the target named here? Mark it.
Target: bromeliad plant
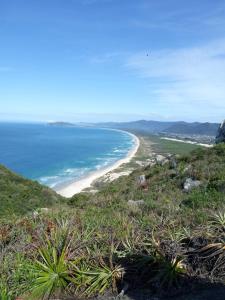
(58, 269)
(218, 220)
(5, 294)
(99, 278)
(167, 271)
(99, 273)
(211, 250)
(52, 271)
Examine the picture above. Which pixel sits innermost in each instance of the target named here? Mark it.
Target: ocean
(58, 155)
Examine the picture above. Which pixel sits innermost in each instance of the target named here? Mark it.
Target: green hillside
(150, 127)
(19, 195)
(157, 240)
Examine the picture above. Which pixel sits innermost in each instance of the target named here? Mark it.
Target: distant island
(60, 123)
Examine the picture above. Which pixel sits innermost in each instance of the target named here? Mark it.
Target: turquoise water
(57, 155)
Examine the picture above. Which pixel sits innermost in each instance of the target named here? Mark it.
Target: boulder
(44, 209)
(161, 160)
(189, 184)
(173, 163)
(172, 173)
(135, 203)
(220, 138)
(187, 169)
(37, 212)
(142, 182)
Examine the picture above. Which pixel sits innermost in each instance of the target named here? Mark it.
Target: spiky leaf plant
(51, 273)
(52, 269)
(218, 220)
(5, 294)
(98, 279)
(169, 272)
(211, 250)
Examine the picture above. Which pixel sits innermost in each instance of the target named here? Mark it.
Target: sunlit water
(56, 155)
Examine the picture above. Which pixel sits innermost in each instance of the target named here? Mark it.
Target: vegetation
(166, 146)
(152, 127)
(99, 243)
(19, 195)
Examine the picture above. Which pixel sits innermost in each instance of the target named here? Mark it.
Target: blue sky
(105, 60)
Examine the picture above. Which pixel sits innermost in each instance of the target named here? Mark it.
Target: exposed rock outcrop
(189, 184)
(142, 182)
(135, 203)
(220, 138)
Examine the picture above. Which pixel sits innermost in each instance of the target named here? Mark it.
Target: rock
(141, 163)
(187, 169)
(40, 210)
(159, 158)
(44, 209)
(220, 138)
(172, 173)
(189, 184)
(135, 203)
(142, 182)
(172, 161)
(35, 214)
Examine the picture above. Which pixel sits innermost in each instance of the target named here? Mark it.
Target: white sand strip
(77, 186)
(187, 142)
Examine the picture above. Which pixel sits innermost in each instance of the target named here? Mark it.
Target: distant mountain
(154, 127)
(60, 123)
(141, 125)
(180, 127)
(193, 128)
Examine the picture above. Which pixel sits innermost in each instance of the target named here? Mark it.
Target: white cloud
(177, 16)
(190, 80)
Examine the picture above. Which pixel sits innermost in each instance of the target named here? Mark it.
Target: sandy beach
(78, 186)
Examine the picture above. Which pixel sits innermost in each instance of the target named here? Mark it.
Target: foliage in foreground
(19, 195)
(98, 242)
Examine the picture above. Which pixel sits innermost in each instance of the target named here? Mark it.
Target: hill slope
(143, 126)
(193, 128)
(19, 195)
(169, 245)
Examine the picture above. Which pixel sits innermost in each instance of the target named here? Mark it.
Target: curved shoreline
(78, 186)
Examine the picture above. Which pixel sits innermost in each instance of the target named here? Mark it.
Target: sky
(112, 60)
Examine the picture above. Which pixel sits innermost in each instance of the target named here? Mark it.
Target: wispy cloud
(182, 18)
(188, 80)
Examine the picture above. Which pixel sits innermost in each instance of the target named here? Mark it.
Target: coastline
(78, 186)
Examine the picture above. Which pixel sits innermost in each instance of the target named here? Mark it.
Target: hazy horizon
(96, 121)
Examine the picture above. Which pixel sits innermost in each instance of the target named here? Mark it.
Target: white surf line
(79, 185)
(187, 142)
